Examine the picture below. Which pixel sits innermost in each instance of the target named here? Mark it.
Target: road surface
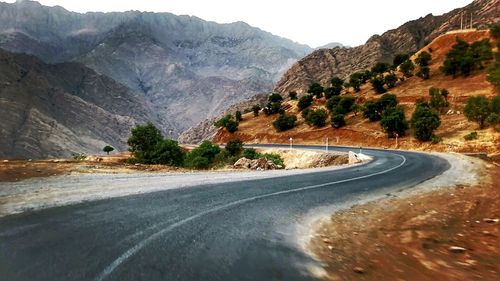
(232, 231)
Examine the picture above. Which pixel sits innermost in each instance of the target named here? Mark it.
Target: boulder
(243, 163)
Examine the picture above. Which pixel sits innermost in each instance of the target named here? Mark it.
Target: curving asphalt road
(232, 231)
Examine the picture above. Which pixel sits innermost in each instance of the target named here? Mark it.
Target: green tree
(332, 102)
(345, 105)
(316, 117)
(292, 95)
(355, 81)
(238, 116)
(316, 89)
(273, 108)
(390, 80)
(386, 101)
(305, 102)
(438, 99)
(256, 108)
(380, 68)
(407, 68)
(495, 31)
(337, 85)
(108, 149)
(423, 59)
(378, 84)
(477, 109)
(284, 122)
(274, 97)
(168, 152)
(424, 122)
(394, 121)
(399, 59)
(372, 111)
(338, 121)
(250, 153)
(228, 123)
(424, 72)
(202, 156)
(143, 141)
(234, 147)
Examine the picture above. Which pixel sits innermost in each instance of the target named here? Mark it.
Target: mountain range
(181, 68)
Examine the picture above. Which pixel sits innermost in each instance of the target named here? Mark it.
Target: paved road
(232, 231)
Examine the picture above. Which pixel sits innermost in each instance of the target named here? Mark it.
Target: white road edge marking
(130, 252)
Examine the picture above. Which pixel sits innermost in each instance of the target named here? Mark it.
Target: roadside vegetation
(149, 147)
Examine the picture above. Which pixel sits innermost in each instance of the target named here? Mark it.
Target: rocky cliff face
(322, 65)
(189, 69)
(56, 110)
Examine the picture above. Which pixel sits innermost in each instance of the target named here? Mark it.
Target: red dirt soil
(411, 238)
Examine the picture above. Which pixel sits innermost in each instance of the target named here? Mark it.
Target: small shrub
(436, 139)
(250, 153)
(471, 136)
(234, 147)
(292, 95)
(238, 116)
(275, 158)
(79, 156)
(256, 108)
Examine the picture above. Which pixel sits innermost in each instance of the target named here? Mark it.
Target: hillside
(360, 132)
(321, 65)
(56, 110)
(188, 68)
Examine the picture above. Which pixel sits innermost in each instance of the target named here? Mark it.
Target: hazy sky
(312, 22)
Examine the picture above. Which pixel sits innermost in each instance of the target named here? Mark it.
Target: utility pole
(470, 20)
(461, 21)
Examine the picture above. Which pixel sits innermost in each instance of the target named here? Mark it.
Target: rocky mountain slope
(56, 110)
(189, 69)
(359, 131)
(322, 65)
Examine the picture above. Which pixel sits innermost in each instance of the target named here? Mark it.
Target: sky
(311, 22)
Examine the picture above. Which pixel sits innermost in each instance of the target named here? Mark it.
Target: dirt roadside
(431, 234)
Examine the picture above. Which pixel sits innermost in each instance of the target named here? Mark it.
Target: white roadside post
(291, 143)
(326, 144)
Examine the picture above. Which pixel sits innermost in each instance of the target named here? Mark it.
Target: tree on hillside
(438, 99)
(423, 59)
(374, 109)
(316, 118)
(292, 95)
(355, 81)
(274, 97)
(407, 68)
(378, 84)
(338, 121)
(108, 149)
(256, 108)
(390, 80)
(494, 117)
(228, 123)
(424, 122)
(202, 156)
(464, 58)
(399, 59)
(394, 121)
(477, 109)
(380, 68)
(238, 116)
(316, 89)
(305, 102)
(345, 105)
(332, 102)
(284, 122)
(337, 85)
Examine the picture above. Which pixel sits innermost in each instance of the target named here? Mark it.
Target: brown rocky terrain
(56, 110)
(447, 234)
(321, 65)
(360, 132)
